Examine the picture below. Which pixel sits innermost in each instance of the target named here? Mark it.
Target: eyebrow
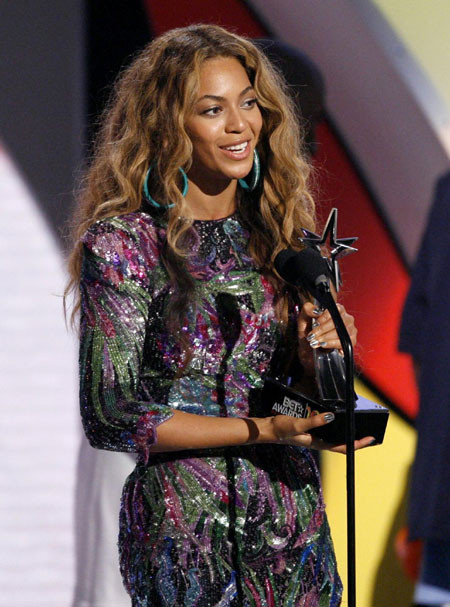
(219, 98)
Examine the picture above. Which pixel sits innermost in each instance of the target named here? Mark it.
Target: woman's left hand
(316, 330)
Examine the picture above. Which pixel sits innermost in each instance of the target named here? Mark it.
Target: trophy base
(370, 418)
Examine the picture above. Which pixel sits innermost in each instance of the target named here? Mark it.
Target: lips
(238, 150)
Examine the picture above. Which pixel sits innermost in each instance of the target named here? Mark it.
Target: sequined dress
(240, 526)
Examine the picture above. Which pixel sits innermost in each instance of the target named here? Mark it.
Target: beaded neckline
(216, 221)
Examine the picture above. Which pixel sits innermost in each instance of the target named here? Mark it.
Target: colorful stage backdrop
(383, 143)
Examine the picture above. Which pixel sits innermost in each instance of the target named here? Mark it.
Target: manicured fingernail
(314, 343)
(323, 344)
(317, 311)
(328, 417)
(315, 323)
(374, 442)
(310, 337)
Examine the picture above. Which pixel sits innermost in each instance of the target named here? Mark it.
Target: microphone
(306, 269)
(309, 270)
(334, 374)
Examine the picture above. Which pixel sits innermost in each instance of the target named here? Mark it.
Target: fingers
(367, 441)
(290, 426)
(295, 431)
(304, 319)
(323, 333)
(319, 420)
(310, 310)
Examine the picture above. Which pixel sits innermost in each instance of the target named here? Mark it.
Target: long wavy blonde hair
(144, 125)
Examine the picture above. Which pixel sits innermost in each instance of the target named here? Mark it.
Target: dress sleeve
(115, 298)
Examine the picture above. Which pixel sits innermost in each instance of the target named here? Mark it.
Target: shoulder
(138, 228)
(129, 244)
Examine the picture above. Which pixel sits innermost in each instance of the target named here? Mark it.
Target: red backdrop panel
(231, 14)
(375, 279)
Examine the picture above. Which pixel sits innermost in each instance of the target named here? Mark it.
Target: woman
(197, 183)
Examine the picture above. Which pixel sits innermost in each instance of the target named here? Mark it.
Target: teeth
(237, 148)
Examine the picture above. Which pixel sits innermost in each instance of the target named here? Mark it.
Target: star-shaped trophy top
(339, 247)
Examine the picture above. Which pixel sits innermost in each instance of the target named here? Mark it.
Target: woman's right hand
(296, 431)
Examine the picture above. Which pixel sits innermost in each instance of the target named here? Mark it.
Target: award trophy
(331, 378)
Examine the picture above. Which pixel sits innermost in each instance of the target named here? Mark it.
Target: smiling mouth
(238, 148)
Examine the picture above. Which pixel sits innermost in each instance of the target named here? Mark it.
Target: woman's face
(225, 123)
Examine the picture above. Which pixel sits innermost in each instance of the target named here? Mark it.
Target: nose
(236, 122)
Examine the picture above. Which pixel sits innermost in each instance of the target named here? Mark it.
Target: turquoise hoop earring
(255, 174)
(152, 201)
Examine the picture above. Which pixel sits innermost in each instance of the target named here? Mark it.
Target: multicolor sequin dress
(240, 526)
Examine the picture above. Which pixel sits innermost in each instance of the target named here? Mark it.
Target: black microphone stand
(308, 269)
(326, 299)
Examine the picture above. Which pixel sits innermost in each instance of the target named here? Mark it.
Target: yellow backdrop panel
(424, 26)
(381, 481)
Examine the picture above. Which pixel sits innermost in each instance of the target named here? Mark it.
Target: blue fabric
(425, 333)
(434, 584)
(436, 565)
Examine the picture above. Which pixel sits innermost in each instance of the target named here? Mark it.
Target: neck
(212, 205)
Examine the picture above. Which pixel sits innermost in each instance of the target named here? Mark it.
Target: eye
(212, 111)
(250, 103)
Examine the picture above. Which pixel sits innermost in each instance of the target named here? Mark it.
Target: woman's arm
(119, 255)
(190, 431)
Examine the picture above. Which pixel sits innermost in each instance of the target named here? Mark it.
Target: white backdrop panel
(38, 411)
